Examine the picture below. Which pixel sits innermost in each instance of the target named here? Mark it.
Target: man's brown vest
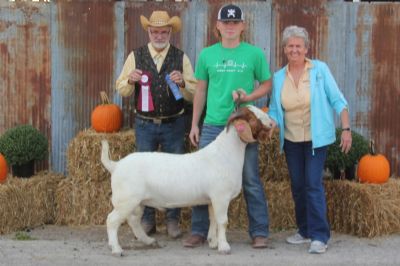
(163, 99)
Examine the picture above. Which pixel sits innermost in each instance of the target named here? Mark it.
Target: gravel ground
(58, 245)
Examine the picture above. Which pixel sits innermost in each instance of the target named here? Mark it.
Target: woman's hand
(345, 141)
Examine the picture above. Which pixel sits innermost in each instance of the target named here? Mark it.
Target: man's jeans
(305, 166)
(257, 209)
(171, 138)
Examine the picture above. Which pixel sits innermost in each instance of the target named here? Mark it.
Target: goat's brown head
(251, 123)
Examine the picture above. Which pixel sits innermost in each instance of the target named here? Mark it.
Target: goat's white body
(211, 176)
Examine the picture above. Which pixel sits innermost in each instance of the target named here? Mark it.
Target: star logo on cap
(231, 12)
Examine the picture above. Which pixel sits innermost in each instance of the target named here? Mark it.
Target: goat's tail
(105, 159)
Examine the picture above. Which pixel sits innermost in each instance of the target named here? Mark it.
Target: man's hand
(177, 77)
(239, 95)
(134, 76)
(194, 135)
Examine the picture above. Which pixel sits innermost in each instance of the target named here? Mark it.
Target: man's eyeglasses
(163, 33)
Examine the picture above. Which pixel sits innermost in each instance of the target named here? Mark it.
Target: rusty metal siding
(372, 72)
(83, 42)
(56, 57)
(25, 67)
(385, 96)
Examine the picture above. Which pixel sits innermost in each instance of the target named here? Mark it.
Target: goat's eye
(253, 123)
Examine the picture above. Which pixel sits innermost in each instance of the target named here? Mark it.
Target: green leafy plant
(337, 160)
(23, 144)
(20, 235)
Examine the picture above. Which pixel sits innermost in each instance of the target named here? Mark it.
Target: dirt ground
(57, 245)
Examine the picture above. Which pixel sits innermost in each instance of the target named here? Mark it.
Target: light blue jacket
(325, 97)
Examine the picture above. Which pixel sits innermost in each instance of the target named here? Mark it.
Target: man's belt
(161, 119)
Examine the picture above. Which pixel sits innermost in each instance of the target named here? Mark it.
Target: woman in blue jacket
(304, 96)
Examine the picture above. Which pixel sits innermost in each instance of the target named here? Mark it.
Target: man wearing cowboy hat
(160, 77)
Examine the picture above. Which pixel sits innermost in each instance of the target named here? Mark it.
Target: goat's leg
(134, 223)
(220, 206)
(212, 230)
(114, 220)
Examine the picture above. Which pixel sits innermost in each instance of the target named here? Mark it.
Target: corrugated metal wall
(56, 57)
(84, 39)
(25, 69)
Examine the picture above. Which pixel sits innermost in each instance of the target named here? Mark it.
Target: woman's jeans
(253, 190)
(305, 168)
(171, 138)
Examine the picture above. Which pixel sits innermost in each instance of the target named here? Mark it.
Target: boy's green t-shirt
(226, 70)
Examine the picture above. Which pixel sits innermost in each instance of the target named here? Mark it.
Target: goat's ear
(244, 131)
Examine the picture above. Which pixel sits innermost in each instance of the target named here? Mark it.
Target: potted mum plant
(22, 146)
(341, 164)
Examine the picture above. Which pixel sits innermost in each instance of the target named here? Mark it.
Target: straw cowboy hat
(161, 19)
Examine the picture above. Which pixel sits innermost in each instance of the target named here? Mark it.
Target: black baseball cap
(230, 13)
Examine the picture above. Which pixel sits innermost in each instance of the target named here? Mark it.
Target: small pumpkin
(373, 168)
(106, 117)
(3, 168)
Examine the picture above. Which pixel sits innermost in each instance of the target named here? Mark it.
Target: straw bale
(82, 202)
(272, 163)
(84, 153)
(88, 203)
(280, 206)
(28, 202)
(365, 210)
(358, 209)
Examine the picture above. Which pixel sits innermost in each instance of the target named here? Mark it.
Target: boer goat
(211, 176)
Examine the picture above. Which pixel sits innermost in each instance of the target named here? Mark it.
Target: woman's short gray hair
(295, 31)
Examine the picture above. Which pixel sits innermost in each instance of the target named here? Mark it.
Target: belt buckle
(157, 121)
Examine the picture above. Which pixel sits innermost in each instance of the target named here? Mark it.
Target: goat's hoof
(212, 243)
(149, 241)
(117, 252)
(224, 249)
(155, 244)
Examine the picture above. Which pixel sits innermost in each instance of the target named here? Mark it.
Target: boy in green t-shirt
(221, 70)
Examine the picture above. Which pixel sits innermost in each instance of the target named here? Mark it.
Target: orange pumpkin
(106, 117)
(265, 109)
(373, 168)
(3, 169)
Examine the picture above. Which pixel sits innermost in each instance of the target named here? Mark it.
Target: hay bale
(365, 210)
(280, 207)
(28, 202)
(88, 203)
(82, 203)
(272, 163)
(358, 209)
(84, 153)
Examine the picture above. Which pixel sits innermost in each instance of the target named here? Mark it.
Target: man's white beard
(160, 45)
